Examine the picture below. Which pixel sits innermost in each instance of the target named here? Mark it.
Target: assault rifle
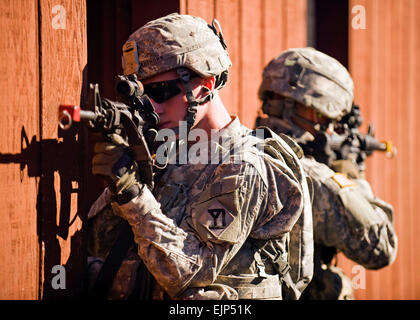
(348, 143)
(135, 118)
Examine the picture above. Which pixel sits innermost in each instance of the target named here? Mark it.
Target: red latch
(73, 111)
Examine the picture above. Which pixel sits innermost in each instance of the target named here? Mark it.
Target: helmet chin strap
(285, 109)
(193, 102)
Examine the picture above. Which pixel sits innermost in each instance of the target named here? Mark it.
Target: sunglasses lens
(162, 91)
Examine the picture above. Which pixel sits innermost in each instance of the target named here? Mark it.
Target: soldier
(304, 91)
(206, 230)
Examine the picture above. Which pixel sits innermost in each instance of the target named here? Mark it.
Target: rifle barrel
(87, 115)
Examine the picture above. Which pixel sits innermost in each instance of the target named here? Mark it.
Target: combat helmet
(310, 77)
(181, 42)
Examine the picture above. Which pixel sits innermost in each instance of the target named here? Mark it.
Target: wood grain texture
(384, 65)
(273, 30)
(200, 8)
(44, 228)
(18, 189)
(61, 206)
(227, 13)
(250, 62)
(294, 23)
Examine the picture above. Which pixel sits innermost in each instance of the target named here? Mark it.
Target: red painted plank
(63, 63)
(18, 163)
(414, 140)
(200, 8)
(250, 61)
(383, 62)
(295, 23)
(227, 13)
(273, 41)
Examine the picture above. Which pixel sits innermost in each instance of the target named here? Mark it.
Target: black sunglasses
(162, 91)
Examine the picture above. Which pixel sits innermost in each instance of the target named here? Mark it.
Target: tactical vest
(281, 271)
(292, 266)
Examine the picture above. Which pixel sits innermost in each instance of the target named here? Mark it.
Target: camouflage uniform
(201, 231)
(346, 215)
(182, 240)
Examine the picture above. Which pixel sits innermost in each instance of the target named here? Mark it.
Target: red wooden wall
(385, 67)
(43, 190)
(41, 169)
(19, 105)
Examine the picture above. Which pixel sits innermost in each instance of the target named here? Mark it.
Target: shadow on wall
(43, 160)
(60, 159)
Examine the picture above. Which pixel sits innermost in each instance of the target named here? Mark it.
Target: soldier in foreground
(207, 230)
(304, 93)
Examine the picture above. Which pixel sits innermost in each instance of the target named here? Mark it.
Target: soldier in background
(206, 230)
(303, 92)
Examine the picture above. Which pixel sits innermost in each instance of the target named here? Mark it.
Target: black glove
(114, 161)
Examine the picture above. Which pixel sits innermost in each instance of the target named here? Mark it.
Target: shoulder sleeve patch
(216, 216)
(218, 220)
(215, 221)
(342, 180)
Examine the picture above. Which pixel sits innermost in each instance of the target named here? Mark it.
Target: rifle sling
(113, 262)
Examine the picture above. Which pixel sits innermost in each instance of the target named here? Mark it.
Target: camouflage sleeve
(348, 217)
(103, 231)
(214, 227)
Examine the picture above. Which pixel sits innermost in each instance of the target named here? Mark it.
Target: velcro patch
(343, 181)
(213, 221)
(130, 60)
(217, 219)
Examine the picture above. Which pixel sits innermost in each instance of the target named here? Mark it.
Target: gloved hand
(113, 160)
(347, 167)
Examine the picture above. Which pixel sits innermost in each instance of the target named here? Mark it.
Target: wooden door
(43, 62)
(383, 58)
